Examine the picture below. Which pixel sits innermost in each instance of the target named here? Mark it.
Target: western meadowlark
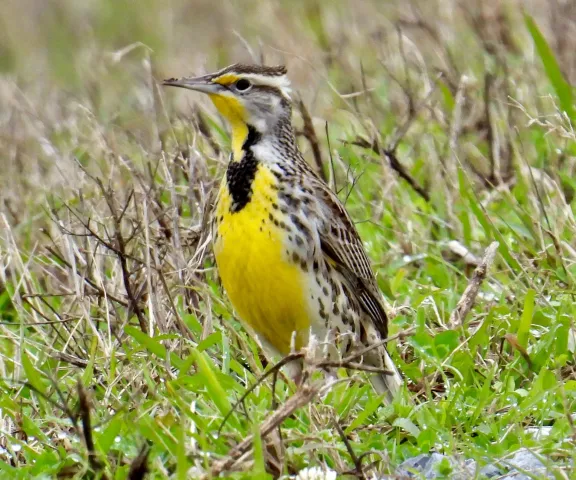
(288, 254)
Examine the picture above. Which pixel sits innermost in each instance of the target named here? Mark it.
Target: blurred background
(104, 56)
(68, 43)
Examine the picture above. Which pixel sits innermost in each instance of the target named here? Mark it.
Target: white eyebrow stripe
(281, 82)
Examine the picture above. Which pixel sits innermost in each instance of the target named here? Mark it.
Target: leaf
(546, 380)
(32, 374)
(559, 83)
(89, 370)
(215, 390)
(149, 429)
(106, 439)
(408, 425)
(209, 341)
(186, 366)
(426, 439)
(446, 342)
(259, 470)
(489, 229)
(398, 280)
(483, 395)
(368, 410)
(570, 386)
(562, 336)
(526, 318)
(181, 460)
(32, 429)
(153, 345)
(513, 341)
(449, 101)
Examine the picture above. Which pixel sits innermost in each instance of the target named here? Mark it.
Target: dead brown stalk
(309, 133)
(470, 293)
(302, 397)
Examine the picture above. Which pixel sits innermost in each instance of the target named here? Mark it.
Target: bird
(287, 252)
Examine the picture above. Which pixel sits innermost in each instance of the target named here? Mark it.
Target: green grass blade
(526, 318)
(106, 439)
(368, 410)
(181, 460)
(32, 374)
(559, 83)
(407, 425)
(216, 391)
(259, 470)
(88, 374)
(153, 345)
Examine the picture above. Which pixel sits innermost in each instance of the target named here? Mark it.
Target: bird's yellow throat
(235, 113)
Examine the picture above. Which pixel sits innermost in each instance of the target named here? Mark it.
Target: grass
(441, 125)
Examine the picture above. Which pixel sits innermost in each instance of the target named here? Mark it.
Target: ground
(444, 125)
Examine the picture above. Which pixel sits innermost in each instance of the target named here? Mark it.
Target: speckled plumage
(288, 254)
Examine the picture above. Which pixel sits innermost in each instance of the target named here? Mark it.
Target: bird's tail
(388, 383)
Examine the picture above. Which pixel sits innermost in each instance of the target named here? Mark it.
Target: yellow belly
(267, 290)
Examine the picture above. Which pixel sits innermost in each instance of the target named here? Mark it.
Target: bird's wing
(343, 247)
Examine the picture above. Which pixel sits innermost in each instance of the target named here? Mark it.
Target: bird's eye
(242, 85)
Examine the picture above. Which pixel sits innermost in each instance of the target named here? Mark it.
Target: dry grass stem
(303, 396)
(459, 314)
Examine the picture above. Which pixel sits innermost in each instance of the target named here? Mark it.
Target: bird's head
(246, 95)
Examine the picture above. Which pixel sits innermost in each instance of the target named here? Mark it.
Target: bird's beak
(200, 84)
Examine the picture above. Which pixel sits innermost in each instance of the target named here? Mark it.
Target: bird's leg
(295, 371)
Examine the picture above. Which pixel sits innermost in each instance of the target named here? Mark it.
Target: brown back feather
(341, 243)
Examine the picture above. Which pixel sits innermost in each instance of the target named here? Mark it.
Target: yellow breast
(266, 289)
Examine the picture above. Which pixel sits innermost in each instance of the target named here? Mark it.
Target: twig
(310, 134)
(139, 466)
(347, 362)
(469, 296)
(399, 168)
(419, 21)
(492, 179)
(358, 472)
(408, 89)
(548, 230)
(204, 129)
(414, 109)
(515, 344)
(274, 369)
(390, 151)
(71, 359)
(462, 252)
(48, 321)
(302, 397)
(84, 408)
(359, 353)
(62, 406)
(455, 129)
(101, 292)
(182, 327)
(352, 366)
(394, 163)
(122, 257)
